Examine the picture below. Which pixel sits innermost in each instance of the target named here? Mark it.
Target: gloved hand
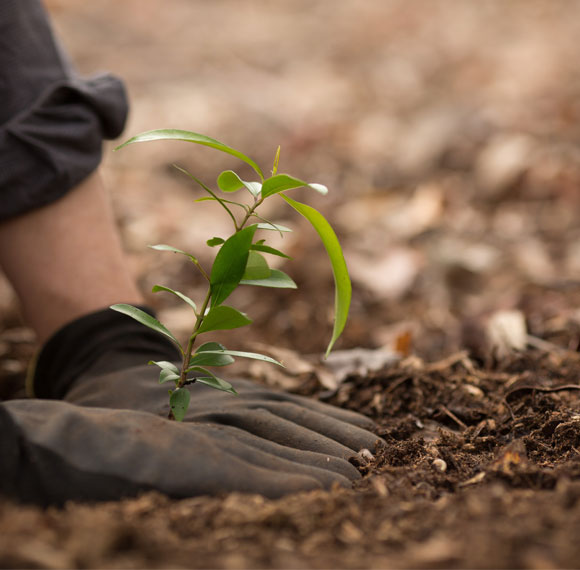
(54, 451)
(98, 361)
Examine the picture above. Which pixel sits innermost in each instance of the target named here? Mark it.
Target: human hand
(276, 416)
(54, 451)
(96, 362)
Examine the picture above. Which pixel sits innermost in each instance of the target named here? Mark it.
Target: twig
(542, 389)
(454, 417)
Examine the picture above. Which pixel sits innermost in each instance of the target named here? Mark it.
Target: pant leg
(52, 121)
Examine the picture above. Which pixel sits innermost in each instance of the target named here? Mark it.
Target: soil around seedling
(480, 468)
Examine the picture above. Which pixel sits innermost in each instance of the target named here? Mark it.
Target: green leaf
(343, 287)
(188, 136)
(168, 376)
(179, 402)
(215, 241)
(276, 161)
(229, 181)
(211, 354)
(169, 371)
(210, 359)
(164, 365)
(163, 247)
(221, 201)
(241, 354)
(223, 317)
(278, 280)
(145, 319)
(256, 267)
(179, 295)
(267, 249)
(229, 265)
(273, 227)
(212, 380)
(281, 182)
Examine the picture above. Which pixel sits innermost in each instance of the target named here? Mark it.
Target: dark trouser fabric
(52, 122)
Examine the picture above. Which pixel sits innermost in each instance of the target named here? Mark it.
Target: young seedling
(240, 260)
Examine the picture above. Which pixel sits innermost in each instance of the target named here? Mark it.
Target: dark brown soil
(481, 469)
(448, 133)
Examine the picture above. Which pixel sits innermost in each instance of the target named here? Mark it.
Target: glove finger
(249, 391)
(118, 390)
(268, 456)
(265, 424)
(95, 454)
(347, 434)
(296, 456)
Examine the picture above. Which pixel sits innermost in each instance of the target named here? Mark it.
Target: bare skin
(66, 260)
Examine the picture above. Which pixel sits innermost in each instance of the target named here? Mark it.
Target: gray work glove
(96, 361)
(54, 451)
(283, 418)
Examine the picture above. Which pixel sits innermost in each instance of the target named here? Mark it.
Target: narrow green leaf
(229, 265)
(267, 249)
(276, 161)
(215, 241)
(241, 354)
(212, 199)
(212, 380)
(343, 287)
(178, 294)
(229, 181)
(273, 227)
(223, 317)
(188, 136)
(164, 365)
(210, 360)
(320, 188)
(164, 247)
(256, 267)
(145, 319)
(211, 347)
(219, 200)
(179, 402)
(168, 376)
(277, 280)
(281, 182)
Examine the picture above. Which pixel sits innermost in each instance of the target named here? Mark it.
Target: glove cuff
(97, 343)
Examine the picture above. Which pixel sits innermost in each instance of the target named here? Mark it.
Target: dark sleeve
(52, 122)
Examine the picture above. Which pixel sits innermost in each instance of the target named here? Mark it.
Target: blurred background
(447, 132)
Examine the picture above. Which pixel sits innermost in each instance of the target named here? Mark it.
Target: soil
(448, 133)
(480, 469)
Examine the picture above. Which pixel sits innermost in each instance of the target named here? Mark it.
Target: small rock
(439, 465)
(366, 454)
(507, 331)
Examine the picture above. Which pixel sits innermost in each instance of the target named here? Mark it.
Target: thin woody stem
(190, 343)
(250, 212)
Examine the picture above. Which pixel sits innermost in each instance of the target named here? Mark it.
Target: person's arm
(65, 259)
(58, 241)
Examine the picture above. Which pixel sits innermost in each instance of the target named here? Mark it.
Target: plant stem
(201, 269)
(250, 211)
(187, 353)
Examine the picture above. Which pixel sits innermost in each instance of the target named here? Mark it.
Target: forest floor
(448, 134)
